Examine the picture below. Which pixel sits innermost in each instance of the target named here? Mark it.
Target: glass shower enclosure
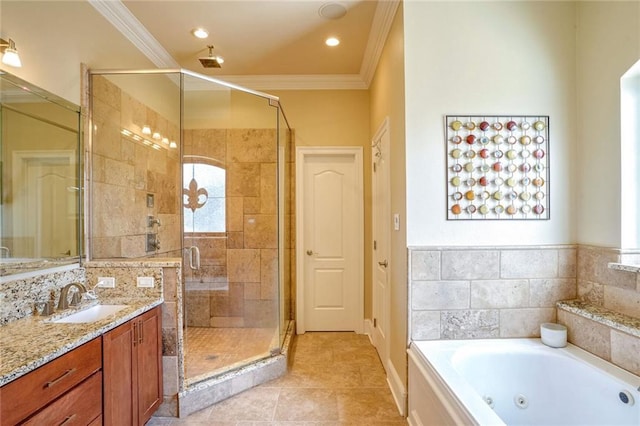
(199, 170)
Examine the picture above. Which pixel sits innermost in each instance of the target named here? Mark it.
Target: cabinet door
(149, 358)
(119, 370)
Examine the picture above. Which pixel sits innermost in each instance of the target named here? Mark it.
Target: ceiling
(265, 43)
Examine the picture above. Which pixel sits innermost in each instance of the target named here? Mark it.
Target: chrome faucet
(6, 250)
(64, 303)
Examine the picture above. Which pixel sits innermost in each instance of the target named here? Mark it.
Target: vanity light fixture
(157, 136)
(146, 130)
(173, 144)
(10, 54)
(332, 41)
(200, 32)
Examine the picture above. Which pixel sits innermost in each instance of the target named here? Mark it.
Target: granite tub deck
(31, 342)
(610, 335)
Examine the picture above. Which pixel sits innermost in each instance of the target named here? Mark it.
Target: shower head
(211, 61)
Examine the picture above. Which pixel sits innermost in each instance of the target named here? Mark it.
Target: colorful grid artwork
(497, 167)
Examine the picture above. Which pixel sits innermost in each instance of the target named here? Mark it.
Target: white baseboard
(397, 388)
(368, 329)
(393, 378)
(414, 420)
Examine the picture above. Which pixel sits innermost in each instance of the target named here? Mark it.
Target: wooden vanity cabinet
(68, 387)
(132, 370)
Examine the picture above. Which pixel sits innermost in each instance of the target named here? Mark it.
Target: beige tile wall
(477, 292)
(244, 262)
(124, 172)
(618, 291)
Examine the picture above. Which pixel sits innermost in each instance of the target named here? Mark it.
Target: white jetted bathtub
(517, 382)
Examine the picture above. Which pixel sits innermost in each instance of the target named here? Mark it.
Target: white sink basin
(92, 314)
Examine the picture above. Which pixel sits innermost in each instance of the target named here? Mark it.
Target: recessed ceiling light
(200, 33)
(332, 41)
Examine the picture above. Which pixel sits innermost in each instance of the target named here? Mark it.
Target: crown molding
(124, 21)
(380, 27)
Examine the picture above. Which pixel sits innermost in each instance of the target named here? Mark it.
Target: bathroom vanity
(67, 388)
(68, 373)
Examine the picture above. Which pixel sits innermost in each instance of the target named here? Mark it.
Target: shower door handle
(194, 257)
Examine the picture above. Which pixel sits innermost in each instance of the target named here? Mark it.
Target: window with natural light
(204, 198)
(630, 157)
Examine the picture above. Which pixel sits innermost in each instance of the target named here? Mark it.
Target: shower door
(230, 228)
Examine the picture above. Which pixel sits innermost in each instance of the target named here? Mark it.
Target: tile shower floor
(210, 349)
(333, 379)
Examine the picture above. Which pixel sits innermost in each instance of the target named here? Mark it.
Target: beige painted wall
(489, 57)
(608, 44)
(335, 118)
(51, 59)
(387, 100)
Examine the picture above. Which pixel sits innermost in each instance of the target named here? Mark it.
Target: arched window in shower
(204, 197)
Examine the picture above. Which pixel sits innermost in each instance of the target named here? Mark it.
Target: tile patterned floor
(333, 379)
(211, 349)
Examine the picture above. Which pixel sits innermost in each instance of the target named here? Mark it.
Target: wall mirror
(40, 179)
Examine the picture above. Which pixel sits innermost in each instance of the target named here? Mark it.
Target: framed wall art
(497, 167)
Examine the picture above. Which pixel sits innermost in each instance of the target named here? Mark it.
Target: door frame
(301, 154)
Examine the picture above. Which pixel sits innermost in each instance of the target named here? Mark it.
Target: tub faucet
(5, 250)
(64, 303)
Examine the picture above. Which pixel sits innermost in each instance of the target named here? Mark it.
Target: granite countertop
(28, 343)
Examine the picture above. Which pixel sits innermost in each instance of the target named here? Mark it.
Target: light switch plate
(145, 282)
(106, 282)
(396, 222)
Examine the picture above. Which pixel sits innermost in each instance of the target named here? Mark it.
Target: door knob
(309, 252)
(384, 263)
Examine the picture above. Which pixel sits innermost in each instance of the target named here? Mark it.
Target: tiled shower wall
(617, 291)
(487, 292)
(237, 283)
(124, 172)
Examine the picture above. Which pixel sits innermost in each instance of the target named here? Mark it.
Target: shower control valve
(153, 243)
(152, 221)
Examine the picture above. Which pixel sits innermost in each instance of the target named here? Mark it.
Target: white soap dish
(554, 335)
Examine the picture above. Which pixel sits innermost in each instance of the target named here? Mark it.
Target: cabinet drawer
(80, 406)
(25, 395)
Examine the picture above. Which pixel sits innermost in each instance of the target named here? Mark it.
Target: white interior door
(330, 251)
(44, 188)
(380, 233)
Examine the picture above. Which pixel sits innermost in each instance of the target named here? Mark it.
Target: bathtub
(517, 382)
